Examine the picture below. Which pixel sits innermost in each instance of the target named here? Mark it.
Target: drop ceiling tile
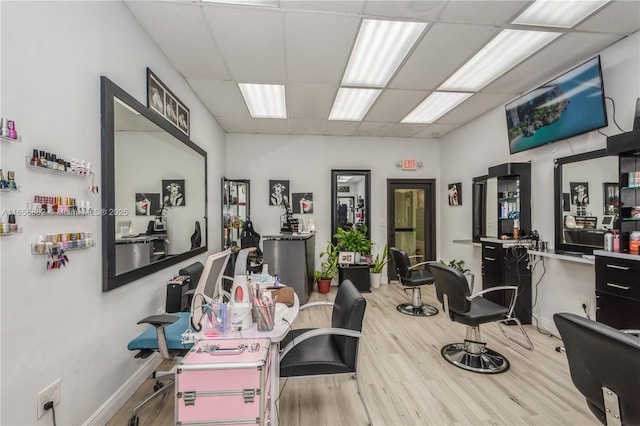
(405, 130)
(418, 10)
(306, 127)
(237, 124)
(618, 16)
(373, 129)
(252, 42)
(340, 128)
(318, 46)
(188, 45)
(313, 102)
(350, 7)
(443, 49)
(482, 12)
(220, 97)
(436, 130)
(272, 126)
(394, 105)
(474, 107)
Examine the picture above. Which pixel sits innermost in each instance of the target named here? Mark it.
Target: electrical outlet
(583, 304)
(50, 393)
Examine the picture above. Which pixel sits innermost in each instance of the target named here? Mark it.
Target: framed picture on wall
(147, 204)
(173, 191)
(302, 202)
(161, 100)
(454, 191)
(279, 193)
(611, 198)
(579, 193)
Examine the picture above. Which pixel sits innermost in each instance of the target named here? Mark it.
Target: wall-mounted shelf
(17, 189)
(8, 139)
(83, 173)
(43, 248)
(4, 234)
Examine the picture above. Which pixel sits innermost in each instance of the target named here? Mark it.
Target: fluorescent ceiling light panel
(264, 100)
(266, 3)
(352, 104)
(558, 13)
(379, 49)
(506, 50)
(435, 106)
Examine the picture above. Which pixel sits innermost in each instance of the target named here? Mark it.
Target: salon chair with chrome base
(412, 278)
(471, 310)
(605, 367)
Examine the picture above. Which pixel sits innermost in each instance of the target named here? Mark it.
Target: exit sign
(409, 165)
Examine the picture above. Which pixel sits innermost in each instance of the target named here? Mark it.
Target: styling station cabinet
(505, 205)
(235, 210)
(617, 289)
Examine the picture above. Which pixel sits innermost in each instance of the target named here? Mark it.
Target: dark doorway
(411, 218)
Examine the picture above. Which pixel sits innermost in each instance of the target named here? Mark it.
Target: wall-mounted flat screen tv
(566, 106)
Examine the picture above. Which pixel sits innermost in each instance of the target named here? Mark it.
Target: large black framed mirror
(154, 191)
(350, 200)
(586, 200)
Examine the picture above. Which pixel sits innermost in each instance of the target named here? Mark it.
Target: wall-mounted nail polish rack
(74, 168)
(11, 231)
(66, 241)
(18, 139)
(45, 205)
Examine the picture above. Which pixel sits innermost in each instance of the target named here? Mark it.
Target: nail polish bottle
(3, 183)
(12, 129)
(11, 183)
(35, 159)
(53, 164)
(4, 128)
(43, 159)
(13, 226)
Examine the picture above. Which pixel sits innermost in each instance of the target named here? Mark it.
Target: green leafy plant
(354, 240)
(329, 267)
(457, 264)
(380, 260)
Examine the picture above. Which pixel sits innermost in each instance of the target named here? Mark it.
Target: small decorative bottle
(11, 183)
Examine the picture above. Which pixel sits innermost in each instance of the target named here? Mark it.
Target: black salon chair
(471, 310)
(605, 367)
(328, 351)
(412, 278)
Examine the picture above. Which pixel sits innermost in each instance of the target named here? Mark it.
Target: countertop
(293, 236)
(626, 256)
(140, 239)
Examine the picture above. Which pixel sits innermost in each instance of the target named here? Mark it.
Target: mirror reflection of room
(350, 205)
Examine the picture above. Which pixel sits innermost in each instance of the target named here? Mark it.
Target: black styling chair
(412, 279)
(605, 367)
(328, 351)
(471, 310)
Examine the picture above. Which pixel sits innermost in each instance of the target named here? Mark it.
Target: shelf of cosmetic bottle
(82, 172)
(41, 212)
(8, 139)
(43, 248)
(17, 231)
(16, 189)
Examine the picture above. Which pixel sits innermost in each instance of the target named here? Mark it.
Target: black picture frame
(611, 195)
(454, 193)
(173, 193)
(162, 100)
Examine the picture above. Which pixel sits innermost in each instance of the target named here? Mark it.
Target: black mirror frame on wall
(111, 93)
(364, 206)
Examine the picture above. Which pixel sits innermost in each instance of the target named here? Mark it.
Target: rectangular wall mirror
(154, 191)
(586, 196)
(350, 199)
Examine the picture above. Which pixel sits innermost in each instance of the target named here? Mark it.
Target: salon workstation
(463, 249)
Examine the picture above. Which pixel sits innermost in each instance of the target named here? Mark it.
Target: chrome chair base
(486, 361)
(417, 311)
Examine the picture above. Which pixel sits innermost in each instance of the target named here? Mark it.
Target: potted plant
(460, 266)
(353, 240)
(327, 269)
(379, 262)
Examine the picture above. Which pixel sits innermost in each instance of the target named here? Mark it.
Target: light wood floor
(406, 381)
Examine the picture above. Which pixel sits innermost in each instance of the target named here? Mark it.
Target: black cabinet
(235, 210)
(357, 274)
(513, 182)
(507, 264)
(618, 290)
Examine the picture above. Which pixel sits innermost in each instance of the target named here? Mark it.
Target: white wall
(306, 161)
(60, 324)
(470, 150)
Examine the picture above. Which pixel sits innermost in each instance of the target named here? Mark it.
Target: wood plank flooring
(405, 380)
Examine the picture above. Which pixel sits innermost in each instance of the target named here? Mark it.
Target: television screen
(564, 107)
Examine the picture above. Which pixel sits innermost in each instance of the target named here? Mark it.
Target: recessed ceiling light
(506, 50)
(435, 106)
(352, 104)
(379, 49)
(264, 100)
(562, 14)
(266, 3)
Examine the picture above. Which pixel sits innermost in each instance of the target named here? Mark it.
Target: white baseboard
(125, 392)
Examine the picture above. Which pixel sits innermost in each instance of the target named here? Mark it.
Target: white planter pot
(375, 279)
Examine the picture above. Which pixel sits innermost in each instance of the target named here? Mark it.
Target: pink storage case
(224, 381)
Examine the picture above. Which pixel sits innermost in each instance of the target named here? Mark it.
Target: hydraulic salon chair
(605, 367)
(328, 351)
(412, 278)
(472, 310)
(172, 334)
